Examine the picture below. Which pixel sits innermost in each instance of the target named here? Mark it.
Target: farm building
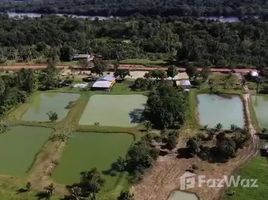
(104, 83)
(185, 84)
(87, 57)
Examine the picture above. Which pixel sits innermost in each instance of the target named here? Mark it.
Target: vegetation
(185, 41)
(166, 107)
(148, 7)
(89, 185)
(53, 116)
(255, 169)
(226, 145)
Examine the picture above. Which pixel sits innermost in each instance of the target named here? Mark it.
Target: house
(184, 84)
(254, 74)
(104, 83)
(87, 57)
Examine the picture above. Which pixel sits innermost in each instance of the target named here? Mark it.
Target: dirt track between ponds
(165, 175)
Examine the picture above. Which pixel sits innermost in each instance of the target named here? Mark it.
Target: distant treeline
(144, 7)
(183, 40)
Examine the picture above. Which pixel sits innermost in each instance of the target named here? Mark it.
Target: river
(223, 19)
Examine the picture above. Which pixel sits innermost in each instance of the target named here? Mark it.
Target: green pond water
(42, 103)
(214, 109)
(260, 103)
(180, 195)
(85, 151)
(114, 110)
(18, 148)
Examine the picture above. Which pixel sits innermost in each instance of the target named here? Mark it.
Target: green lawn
(146, 62)
(85, 151)
(18, 148)
(255, 169)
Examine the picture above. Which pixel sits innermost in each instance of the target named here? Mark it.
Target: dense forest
(182, 40)
(144, 7)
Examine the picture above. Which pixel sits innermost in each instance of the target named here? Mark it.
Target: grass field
(255, 169)
(145, 62)
(114, 110)
(85, 151)
(18, 148)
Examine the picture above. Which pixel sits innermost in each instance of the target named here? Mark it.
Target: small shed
(254, 74)
(104, 83)
(185, 84)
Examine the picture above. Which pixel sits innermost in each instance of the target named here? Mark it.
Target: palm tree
(53, 116)
(218, 126)
(148, 125)
(126, 196)
(91, 183)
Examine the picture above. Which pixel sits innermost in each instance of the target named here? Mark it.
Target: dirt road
(164, 177)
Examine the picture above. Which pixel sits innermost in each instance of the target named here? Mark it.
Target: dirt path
(164, 177)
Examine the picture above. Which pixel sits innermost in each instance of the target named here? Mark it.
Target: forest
(185, 41)
(144, 7)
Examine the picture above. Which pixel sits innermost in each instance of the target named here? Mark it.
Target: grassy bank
(255, 169)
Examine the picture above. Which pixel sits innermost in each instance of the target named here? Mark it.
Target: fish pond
(214, 109)
(260, 104)
(41, 104)
(114, 110)
(18, 148)
(85, 151)
(181, 195)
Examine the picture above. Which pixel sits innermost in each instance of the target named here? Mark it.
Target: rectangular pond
(85, 151)
(114, 110)
(260, 104)
(18, 148)
(214, 109)
(41, 104)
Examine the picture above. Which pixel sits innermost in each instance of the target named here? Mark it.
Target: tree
(99, 66)
(140, 156)
(49, 77)
(166, 107)
(53, 116)
(49, 190)
(191, 71)
(194, 145)
(76, 193)
(172, 71)
(148, 125)
(4, 126)
(218, 127)
(26, 80)
(171, 140)
(66, 53)
(91, 183)
(226, 147)
(125, 196)
(28, 186)
(121, 73)
(158, 74)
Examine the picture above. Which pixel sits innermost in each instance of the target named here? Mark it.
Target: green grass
(9, 191)
(85, 151)
(145, 62)
(191, 114)
(255, 169)
(19, 146)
